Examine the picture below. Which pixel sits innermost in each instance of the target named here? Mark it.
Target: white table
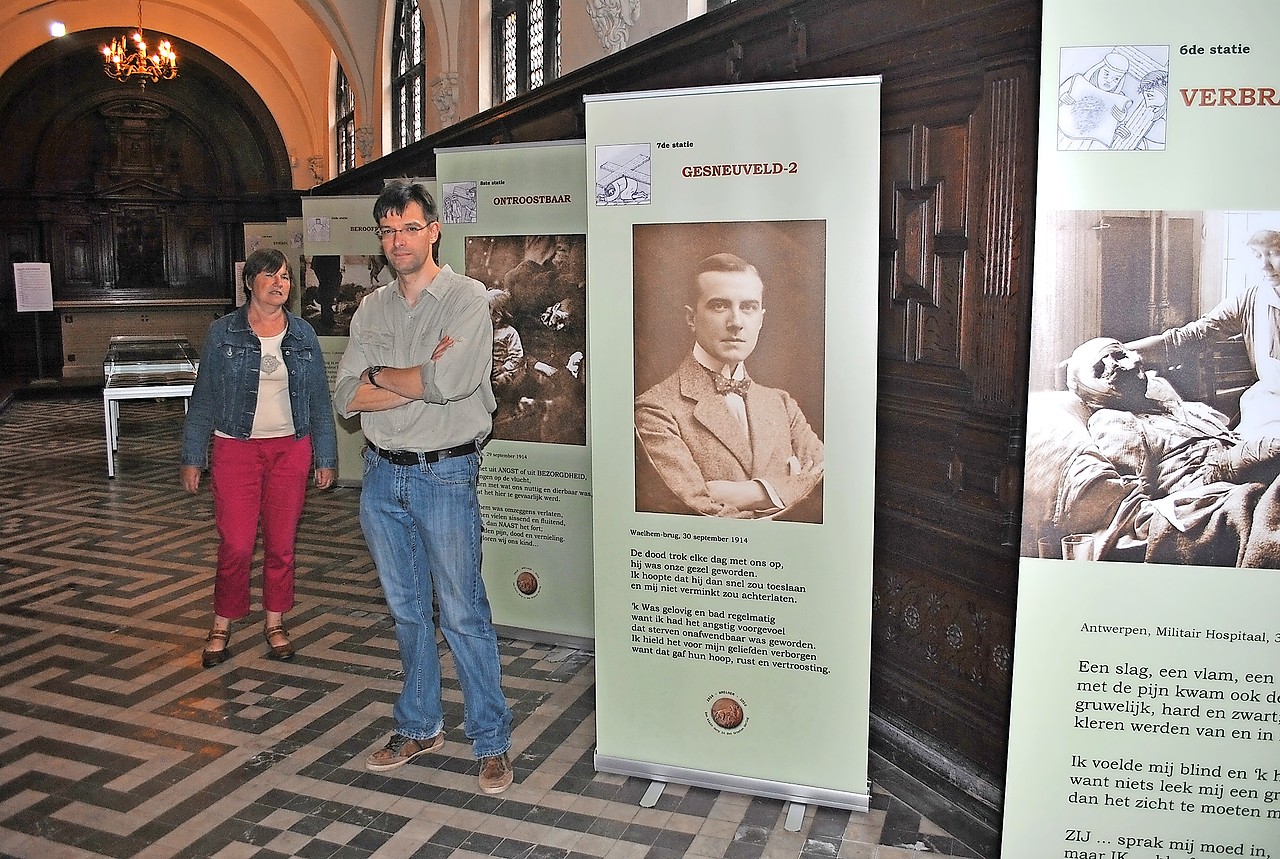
(111, 397)
(143, 367)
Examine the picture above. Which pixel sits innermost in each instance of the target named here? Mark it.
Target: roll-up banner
(341, 263)
(514, 218)
(294, 226)
(1146, 708)
(733, 248)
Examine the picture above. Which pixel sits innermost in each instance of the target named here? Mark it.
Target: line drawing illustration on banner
(459, 203)
(624, 175)
(1113, 98)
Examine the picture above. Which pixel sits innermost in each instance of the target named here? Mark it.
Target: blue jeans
(422, 524)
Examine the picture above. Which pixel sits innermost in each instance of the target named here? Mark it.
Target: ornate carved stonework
(613, 20)
(364, 142)
(444, 95)
(316, 164)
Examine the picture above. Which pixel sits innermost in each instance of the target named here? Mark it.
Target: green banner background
(1144, 695)
(734, 653)
(536, 495)
(339, 226)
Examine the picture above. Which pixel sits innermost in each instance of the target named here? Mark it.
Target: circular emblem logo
(526, 582)
(726, 712)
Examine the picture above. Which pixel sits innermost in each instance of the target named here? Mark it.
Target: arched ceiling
(281, 48)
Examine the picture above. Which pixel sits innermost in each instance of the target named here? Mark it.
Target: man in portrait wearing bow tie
(722, 444)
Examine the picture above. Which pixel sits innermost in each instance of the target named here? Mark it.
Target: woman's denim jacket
(225, 395)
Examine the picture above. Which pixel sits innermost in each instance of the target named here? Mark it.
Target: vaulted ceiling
(282, 49)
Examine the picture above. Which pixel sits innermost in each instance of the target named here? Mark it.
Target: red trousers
(257, 480)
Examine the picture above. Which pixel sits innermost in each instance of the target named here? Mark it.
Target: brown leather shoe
(211, 656)
(283, 652)
(399, 750)
(496, 774)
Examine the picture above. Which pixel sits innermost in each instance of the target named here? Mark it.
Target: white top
(274, 416)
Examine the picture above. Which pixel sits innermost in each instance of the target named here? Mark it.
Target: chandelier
(120, 63)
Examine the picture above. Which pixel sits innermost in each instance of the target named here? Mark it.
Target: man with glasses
(417, 371)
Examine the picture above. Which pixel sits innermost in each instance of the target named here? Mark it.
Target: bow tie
(730, 386)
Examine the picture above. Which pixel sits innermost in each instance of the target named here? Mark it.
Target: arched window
(526, 46)
(408, 75)
(344, 122)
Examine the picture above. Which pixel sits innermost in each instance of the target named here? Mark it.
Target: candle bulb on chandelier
(121, 65)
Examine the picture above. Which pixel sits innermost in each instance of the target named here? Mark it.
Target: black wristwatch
(373, 375)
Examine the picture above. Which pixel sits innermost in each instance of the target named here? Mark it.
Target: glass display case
(138, 361)
(143, 368)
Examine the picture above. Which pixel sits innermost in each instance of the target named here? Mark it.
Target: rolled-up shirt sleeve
(468, 362)
(1228, 319)
(352, 364)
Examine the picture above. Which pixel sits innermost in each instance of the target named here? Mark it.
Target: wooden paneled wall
(957, 166)
(135, 196)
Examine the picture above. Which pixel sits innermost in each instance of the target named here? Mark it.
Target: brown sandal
(283, 652)
(211, 657)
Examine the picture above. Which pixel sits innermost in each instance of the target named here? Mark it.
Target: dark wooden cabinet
(136, 196)
(18, 340)
(78, 253)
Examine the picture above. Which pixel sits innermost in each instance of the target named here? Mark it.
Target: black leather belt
(415, 457)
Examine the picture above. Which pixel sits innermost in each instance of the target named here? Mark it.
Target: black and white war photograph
(1153, 420)
(537, 288)
(333, 285)
(730, 350)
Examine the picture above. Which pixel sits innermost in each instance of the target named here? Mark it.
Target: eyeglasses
(410, 230)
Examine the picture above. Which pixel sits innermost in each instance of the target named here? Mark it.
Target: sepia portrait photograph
(1153, 419)
(729, 357)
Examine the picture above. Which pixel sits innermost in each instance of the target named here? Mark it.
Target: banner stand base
(541, 636)
(796, 793)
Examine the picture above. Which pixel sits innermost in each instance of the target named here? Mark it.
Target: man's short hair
(500, 306)
(1157, 79)
(717, 262)
(1265, 240)
(398, 194)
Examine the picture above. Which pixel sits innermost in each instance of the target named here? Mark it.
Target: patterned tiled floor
(114, 742)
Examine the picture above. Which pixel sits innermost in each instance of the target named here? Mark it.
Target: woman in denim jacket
(262, 396)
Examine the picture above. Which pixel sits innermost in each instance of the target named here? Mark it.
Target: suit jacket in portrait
(689, 435)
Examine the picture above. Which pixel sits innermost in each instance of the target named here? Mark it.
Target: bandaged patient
(1180, 485)
(1146, 429)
